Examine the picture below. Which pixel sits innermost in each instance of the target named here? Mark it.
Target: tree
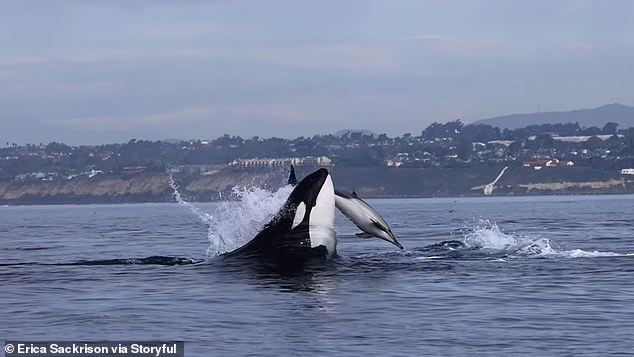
(609, 128)
(451, 129)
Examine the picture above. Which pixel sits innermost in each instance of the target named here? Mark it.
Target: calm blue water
(534, 276)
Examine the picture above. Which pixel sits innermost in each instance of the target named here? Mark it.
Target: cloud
(110, 55)
(355, 57)
(462, 46)
(306, 115)
(578, 46)
(262, 68)
(276, 112)
(136, 121)
(181, 32)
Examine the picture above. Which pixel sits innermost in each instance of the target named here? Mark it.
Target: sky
(96, 72)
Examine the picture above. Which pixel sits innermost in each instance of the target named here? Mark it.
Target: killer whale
(303, 229)
(292, 179)
(359, 212)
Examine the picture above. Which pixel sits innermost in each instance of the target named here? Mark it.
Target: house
(133, 169)
(547, 163)
(394, 163)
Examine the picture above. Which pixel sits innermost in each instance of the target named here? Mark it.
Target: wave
(153, 260)
(233, 223)
(487, 240)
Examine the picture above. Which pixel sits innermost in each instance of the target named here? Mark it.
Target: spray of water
(489, 238)
(233, 223)
(238, 221)
(204, 217)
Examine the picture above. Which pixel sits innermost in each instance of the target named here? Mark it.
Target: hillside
(368, 182)
(618, 113)
(451, 159)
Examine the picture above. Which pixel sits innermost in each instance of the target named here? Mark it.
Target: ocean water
(535, 276)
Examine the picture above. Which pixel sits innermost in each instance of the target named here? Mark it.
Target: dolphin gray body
(364, 217)
(302, 230)
(360, 213)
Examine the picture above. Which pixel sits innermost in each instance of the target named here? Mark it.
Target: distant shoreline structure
(321, 161)
(377, 182)
(443, 160)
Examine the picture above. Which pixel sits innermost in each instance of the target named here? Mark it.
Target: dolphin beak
(393, 240)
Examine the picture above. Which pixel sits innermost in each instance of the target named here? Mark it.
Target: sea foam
(487, 237)
(232, 223)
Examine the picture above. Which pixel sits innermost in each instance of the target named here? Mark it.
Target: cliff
(368, 182)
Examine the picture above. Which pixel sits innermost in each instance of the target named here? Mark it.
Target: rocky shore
(368, 182)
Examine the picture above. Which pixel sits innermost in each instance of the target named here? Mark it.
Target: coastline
(367, 182)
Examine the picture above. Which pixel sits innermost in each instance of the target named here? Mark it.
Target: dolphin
(364, 216)
(360, 213)
(303, 228)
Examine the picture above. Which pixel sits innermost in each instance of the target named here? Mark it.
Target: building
(281, 162)
(394, 163)
(538, 164)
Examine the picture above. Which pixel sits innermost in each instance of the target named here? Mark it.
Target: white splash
(237, 222)
(204, 217)
(233, 223)
(578, 253)
(488, 237)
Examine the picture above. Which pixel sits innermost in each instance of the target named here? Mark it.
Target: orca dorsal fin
(292, 179)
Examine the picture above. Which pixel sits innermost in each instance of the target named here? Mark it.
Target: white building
(282, 162)
(394, 163)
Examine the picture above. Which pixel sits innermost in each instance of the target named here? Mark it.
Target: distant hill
(618, 113)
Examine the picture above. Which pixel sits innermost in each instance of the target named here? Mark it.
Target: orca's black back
(277, 242)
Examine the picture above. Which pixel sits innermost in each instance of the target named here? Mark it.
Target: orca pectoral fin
(364, 235)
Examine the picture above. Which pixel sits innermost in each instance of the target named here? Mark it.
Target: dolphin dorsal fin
(292, 180)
